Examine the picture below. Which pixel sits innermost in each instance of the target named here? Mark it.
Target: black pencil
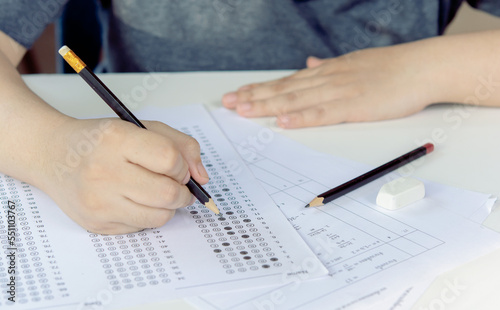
(121, 110)
(376, 173)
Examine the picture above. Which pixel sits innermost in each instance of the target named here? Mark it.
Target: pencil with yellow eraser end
(121, 110)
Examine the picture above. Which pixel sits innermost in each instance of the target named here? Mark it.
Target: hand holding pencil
(129, 179)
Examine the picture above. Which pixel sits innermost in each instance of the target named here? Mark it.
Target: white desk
(467, 153)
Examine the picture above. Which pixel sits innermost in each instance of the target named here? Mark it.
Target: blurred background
(42, 57)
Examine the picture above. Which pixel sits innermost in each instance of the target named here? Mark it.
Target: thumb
(190, 150)
(313, 62)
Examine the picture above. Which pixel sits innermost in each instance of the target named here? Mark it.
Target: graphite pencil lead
(316, 202)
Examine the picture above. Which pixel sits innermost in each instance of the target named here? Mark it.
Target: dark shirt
(197, 35)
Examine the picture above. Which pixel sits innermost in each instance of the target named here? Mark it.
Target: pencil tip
(307, 206)
(316, 202)
(212, 207)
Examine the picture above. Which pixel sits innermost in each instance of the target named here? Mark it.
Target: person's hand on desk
(377, 83)
(125, 178)
(366, 85)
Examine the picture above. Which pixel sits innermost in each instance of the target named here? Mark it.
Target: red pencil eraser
(429, 147)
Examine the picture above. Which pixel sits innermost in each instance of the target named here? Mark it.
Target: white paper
(377, 259)
(60, 265)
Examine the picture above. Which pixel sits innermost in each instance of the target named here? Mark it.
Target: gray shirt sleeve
(489, 6)
(25, 20)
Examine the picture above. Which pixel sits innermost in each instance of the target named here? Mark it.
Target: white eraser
(400, 192)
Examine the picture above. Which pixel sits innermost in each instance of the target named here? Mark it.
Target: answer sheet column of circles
(37, 275)
(233, 236)
(131, 260)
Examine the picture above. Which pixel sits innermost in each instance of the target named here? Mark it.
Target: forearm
(27, 126)
(463, 68)
(379, 83)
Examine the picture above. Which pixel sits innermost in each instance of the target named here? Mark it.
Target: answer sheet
(377, 259)
(59, 265)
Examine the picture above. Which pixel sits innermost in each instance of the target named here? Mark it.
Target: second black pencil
(376, 173)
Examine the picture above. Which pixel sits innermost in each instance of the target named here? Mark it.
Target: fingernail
(283, 121)
(230, 98)
(186, 178)
(202, 171)
(245, 106)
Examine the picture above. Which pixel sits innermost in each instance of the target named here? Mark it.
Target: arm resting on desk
(380, 83)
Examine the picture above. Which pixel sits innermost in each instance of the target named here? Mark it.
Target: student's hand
(113, 177)
(367, 85)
